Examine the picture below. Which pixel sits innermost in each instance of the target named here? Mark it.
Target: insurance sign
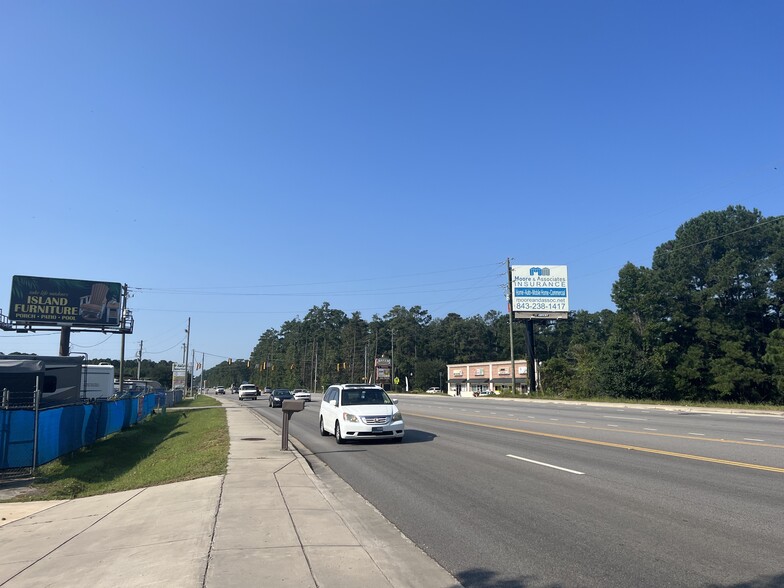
(540, 291)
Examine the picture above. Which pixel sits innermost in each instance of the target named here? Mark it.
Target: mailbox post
(289, 407)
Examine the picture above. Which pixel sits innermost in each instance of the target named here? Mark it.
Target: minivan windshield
(363, 396)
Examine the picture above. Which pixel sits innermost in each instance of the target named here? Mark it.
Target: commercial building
(467, 379)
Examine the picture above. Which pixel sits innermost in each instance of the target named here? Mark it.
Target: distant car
(360, 411)
(267, 390)
(220, 390)
(433, 390)
(301, 394)
(277, 397)
(249, 391)
(234, 390)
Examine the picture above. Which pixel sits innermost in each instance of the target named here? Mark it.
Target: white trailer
(97, 381)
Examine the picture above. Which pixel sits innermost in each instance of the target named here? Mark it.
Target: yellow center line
(739, 464)
(634, 432)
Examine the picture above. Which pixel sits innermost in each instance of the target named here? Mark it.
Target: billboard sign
(540, 291)
(179, 376)
(54, 301)
(383, 369)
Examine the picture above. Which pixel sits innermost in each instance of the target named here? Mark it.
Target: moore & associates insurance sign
(540, 291)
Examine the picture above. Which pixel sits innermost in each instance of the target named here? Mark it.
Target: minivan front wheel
(322, 430)
(338, 438)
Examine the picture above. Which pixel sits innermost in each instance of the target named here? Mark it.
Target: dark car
(278, 395)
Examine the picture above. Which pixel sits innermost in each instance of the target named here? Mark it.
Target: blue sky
(241, 162)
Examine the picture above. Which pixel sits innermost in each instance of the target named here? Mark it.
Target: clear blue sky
(240, 162)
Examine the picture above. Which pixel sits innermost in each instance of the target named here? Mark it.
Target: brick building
(465, 379)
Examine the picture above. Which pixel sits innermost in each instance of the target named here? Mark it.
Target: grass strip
(164, 448)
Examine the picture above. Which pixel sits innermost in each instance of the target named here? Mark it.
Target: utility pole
(510, 299)
(392, 383)
(122, 337)
(201, 377)
(185, 355)
(139, 365)
(193, 365)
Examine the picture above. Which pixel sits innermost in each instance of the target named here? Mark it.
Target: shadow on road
(482, 578)
(776, 581)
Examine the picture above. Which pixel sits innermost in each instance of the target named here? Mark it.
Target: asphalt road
(505, 493)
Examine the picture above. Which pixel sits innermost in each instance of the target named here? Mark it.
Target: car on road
(267, 390)
(249, 391)
(433, 390)
(301, 394)
(359, 411)
(278, 395)
(220, 390)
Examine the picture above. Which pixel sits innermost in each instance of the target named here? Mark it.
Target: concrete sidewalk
(268, 522)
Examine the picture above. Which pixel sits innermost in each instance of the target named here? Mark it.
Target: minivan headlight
(352, 418)
(396, 416)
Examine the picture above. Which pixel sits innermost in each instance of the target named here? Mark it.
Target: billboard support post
(65, 340)
(531, 349)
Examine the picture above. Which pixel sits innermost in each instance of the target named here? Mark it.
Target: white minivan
(360, 411)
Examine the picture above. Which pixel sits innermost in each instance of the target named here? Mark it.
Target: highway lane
(520, 494)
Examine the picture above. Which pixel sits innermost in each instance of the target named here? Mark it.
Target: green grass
(164, 448)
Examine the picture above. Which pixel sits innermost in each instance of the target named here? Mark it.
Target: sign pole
(65, 340)
(529, 339)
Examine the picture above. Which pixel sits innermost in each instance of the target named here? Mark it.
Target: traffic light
(229, 361)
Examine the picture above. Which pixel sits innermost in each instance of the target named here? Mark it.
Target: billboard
(179, 376)
(383, 369)
(540, 291)
(55, 301)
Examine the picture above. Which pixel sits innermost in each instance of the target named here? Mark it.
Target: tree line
(702, 323)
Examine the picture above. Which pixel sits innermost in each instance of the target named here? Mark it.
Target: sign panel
(540, 291)
(179, 376)
(54, 301)
(383, 369)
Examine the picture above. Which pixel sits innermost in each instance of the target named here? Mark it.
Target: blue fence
(65, 429)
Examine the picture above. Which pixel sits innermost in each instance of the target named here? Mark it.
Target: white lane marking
(612, 425)
(759, 440)
(626, 418)
(553, 419)
(697, 434)
(580, 422)
(650, 429)
(547, 465)
(531, 417)
(741, 417)
(492, 413)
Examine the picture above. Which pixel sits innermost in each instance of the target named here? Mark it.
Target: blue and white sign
(540, 290)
